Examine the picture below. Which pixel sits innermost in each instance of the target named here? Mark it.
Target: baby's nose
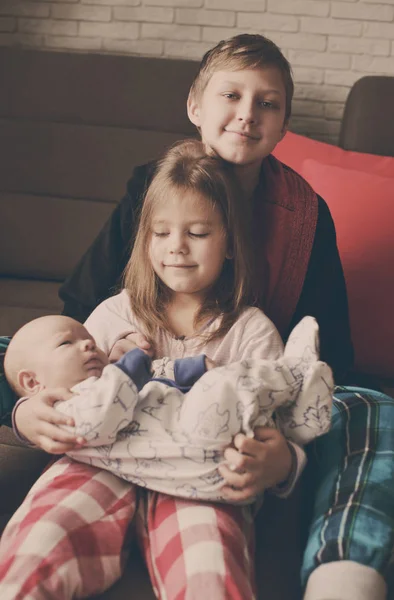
(88, 344)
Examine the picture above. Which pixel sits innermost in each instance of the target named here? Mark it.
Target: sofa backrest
(367, 124)
(72, 128)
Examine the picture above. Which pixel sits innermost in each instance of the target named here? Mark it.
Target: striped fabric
(353, 466)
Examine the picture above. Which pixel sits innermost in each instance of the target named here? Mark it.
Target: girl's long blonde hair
(186, 168)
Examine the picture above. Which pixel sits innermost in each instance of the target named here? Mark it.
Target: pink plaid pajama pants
(71, 536)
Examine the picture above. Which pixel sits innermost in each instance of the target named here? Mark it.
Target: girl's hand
(38, 421)
(259, 463)
(131, 341)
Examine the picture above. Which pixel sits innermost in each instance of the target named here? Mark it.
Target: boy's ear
(284, 130)
(27, 381)
(193, 110)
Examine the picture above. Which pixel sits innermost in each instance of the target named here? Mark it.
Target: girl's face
(188, 244)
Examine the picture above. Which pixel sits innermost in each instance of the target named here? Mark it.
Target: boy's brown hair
(186, 168)
(244, 51)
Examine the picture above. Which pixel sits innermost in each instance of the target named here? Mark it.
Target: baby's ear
(27, 381)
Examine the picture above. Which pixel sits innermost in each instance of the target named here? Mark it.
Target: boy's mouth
(244, 134)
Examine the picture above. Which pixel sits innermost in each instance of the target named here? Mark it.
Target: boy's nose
(246, 112)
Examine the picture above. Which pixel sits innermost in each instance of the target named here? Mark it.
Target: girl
(188, 284)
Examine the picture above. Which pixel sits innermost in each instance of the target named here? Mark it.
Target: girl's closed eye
(198, 235)
(160, 233)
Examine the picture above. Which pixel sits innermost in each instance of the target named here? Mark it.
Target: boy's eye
(268, 104)
(65, 343)
(230, 95)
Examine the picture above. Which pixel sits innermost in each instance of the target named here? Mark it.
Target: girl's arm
(268, 460)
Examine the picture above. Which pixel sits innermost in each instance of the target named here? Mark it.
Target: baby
(169, 434)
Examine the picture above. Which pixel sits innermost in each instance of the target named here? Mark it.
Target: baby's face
(66, 354)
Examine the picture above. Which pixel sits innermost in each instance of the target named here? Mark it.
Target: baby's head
(51, 351)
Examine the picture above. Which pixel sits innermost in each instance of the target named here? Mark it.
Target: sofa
(72, 127)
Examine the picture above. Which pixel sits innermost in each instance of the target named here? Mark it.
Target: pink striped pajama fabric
(71, 536)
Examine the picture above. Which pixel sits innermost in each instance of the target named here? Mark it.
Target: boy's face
(241, 114)
(66, 354)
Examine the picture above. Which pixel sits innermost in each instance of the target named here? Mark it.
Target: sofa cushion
(362, 206)
(22, 300)
(294, 149)
(7, 397)
(43, 237)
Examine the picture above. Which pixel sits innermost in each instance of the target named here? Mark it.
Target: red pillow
(294, 149)
(362, 206)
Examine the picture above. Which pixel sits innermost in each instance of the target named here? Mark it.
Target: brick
(191, 50)
(324, 93)
(174, 3)
(307, 107)
(81, 13)
(299, 7)
(307, 75)
(25, 40)
(110, 2)
(170, 32)
(348, 78)
(216, 34)
(7, 24)
(379, 30)
(24, 9)
(190, 16)
(361, 11)
(331, 26)
(373, 64)
(140, 47)
(144, 13)
(109, 30)
(264, 21)
(359, 46)
(245, 6)
(381, 2)
(315, 125)
(319, 59)
(307, 41)
(48, 26)
(72, 43)
(334, 110)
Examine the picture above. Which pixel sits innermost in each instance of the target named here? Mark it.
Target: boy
(241, 103)
(169, 434)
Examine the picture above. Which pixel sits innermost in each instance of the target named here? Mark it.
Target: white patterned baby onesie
(166, 440)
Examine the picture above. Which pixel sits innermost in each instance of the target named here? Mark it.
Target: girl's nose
(177, 244)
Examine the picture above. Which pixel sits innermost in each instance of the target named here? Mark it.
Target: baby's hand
(38, 421)
(209, 364)
(256, 464)
(131, 341)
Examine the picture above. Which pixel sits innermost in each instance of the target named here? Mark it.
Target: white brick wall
(330, 43)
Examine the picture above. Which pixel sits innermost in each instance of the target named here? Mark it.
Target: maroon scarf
(284, 223)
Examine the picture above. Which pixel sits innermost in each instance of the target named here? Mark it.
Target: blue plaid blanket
(353, 471)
